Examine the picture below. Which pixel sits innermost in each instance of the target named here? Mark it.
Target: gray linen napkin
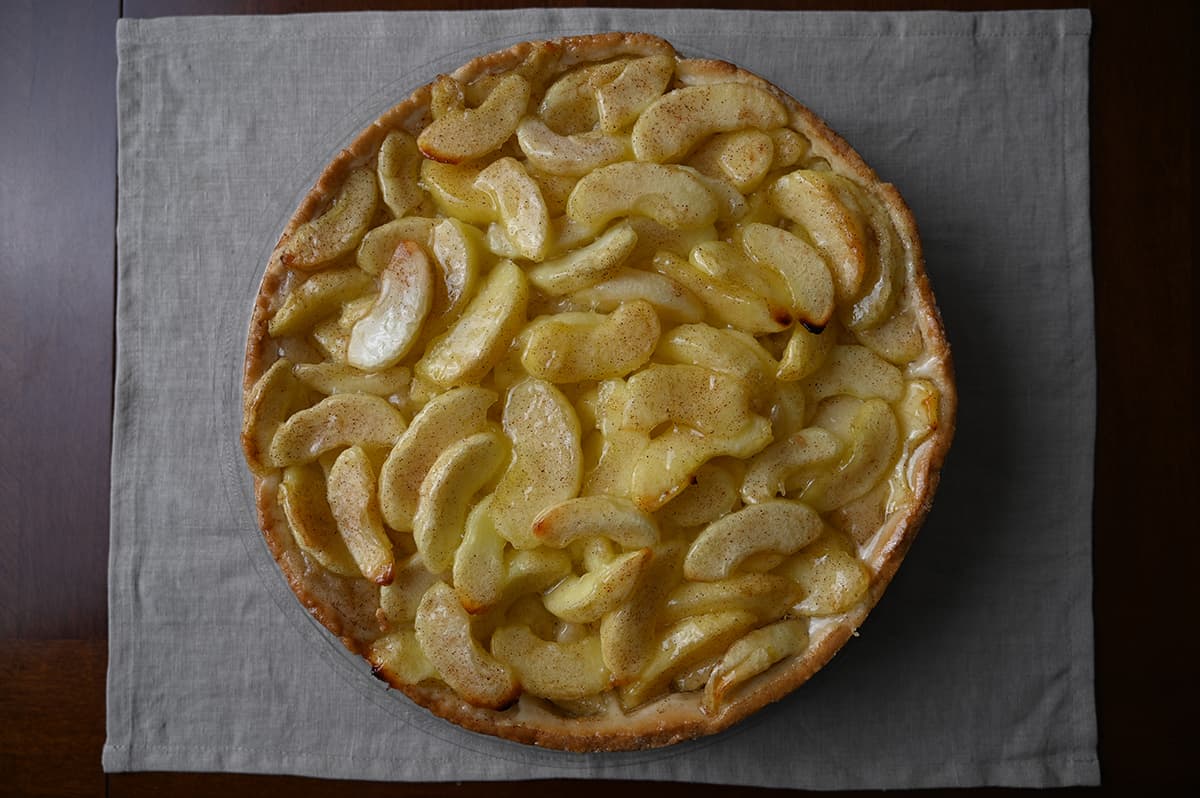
(976, 669)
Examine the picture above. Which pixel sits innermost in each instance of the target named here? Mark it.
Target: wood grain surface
(57, 288)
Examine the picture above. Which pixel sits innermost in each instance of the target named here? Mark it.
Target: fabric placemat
(976, 668)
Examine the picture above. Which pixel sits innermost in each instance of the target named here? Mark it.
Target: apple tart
(594, 394)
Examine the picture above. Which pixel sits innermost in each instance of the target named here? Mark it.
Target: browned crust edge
(654, 725)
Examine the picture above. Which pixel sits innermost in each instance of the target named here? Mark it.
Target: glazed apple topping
(602, 378)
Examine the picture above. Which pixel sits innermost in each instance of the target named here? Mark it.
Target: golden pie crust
(350, 607)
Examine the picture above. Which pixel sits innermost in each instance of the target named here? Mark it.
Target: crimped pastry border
(333, 601)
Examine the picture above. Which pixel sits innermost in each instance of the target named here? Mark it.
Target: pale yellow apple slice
(353, 502)
(778, 526)
(670, 300)
(443, 629)
(587, 598)
(400, 600)
(671, 195)
(452, 188)
(897, 339)
(789, 409)
(768, 473)
(399, 170)
(803, 270)
(523, 212)
(724, 261)
(595, 552)
(569, 104)
(399, 657)
(824, 205)
(620, 101)
(526, 610)
(830, 574)
(705, 400)
(884, 279)
(617, 453)
(836, 414)
(444, 420)
(731, 205)
(479, 561)
(683, 646)
(558, 671)
(532, 571)
(627, 633)
(317, 297)
(344, 419)
(730, 303)
(446, 495)
(919, 412)
(338, 231)
(874, 442)
(574, 347)
(806, 351)
(743, 157)
(718, 349)
(461, 254)
(856, 371)
(666, 465)
(385, 335)
(446, 95)
(331, 378)
(272, 400)
(332, 336)
(713, 492)
(477, 341)
(461, 134)
(379, 244)
(573, 155)
(556, 189)
(586, 265)
(766, 596)
(654, 237)
(680, 119)
(585, 517)
(789, 146)
(752, 655)
(302, 494)
(547, 463)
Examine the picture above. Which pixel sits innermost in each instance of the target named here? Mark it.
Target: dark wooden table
(57, 285)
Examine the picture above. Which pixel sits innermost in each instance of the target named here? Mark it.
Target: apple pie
(594, 394)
